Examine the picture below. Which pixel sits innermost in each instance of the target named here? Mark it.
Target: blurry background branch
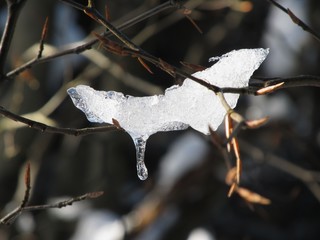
(13, 10)
(12, 215)
(296, 20)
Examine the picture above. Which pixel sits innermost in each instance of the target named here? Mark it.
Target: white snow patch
(190, 104)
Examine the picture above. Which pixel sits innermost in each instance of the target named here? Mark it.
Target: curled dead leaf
(256, 123)
(252, 197)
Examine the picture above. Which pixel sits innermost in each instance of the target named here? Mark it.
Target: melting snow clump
(190, 104)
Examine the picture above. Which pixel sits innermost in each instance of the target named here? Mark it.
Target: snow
(190, 104)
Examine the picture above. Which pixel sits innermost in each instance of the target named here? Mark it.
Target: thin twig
(88, 45)
(295, 81)
(65, 203)
(28, 64)
(132, 49)
(50, 129)
(296, 20)
(257, 83)
(165, 66)
(13, 7)
(309, 178)
(11, 217)
(43, 37)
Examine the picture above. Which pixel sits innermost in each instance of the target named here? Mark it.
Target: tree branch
(13, 7)
(88, 45)
(296, 20)
(50, 129)
(12, 216)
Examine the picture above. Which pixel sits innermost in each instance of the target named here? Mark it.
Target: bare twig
(13, 7)
(296, 20)
(310, 178)
(288, 82)
(65, 203)
(11, 217)
(296, 81)
(43, 37)
(165, 66)
(45, 128)
(132, 49)
(88, 45)
(32, 62)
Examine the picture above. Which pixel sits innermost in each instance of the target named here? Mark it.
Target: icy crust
(139, 116)
(190, 104)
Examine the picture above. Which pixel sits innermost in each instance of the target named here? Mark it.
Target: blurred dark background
(185, 196)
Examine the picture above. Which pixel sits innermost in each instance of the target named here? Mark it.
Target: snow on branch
(190, 104)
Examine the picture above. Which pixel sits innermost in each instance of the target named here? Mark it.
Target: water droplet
(140, 144)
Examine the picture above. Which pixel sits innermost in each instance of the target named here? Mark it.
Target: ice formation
(190, 104)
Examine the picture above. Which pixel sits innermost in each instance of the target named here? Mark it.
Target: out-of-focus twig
(30, 63)
(296, 20)
(310, 178)
(12, 215)
(13, 7)
(27, 180)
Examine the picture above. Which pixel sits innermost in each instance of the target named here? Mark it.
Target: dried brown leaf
(116, 123)
(145, 65)
(256, 123)
(252, 197)
(230, 176)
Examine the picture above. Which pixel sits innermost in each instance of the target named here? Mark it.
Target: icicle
(140, 144)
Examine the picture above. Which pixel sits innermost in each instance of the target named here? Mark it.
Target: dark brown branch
(86, 46)
(50, 129)
(289, 82)
(95, 15)
(13, 7)
(295, 81)
(135, 51)
(43, 37)
(65, 203)
(34, 60)
(10, 217)
(257, 83)
(132, 50)
(296, 20)
(165, 66)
